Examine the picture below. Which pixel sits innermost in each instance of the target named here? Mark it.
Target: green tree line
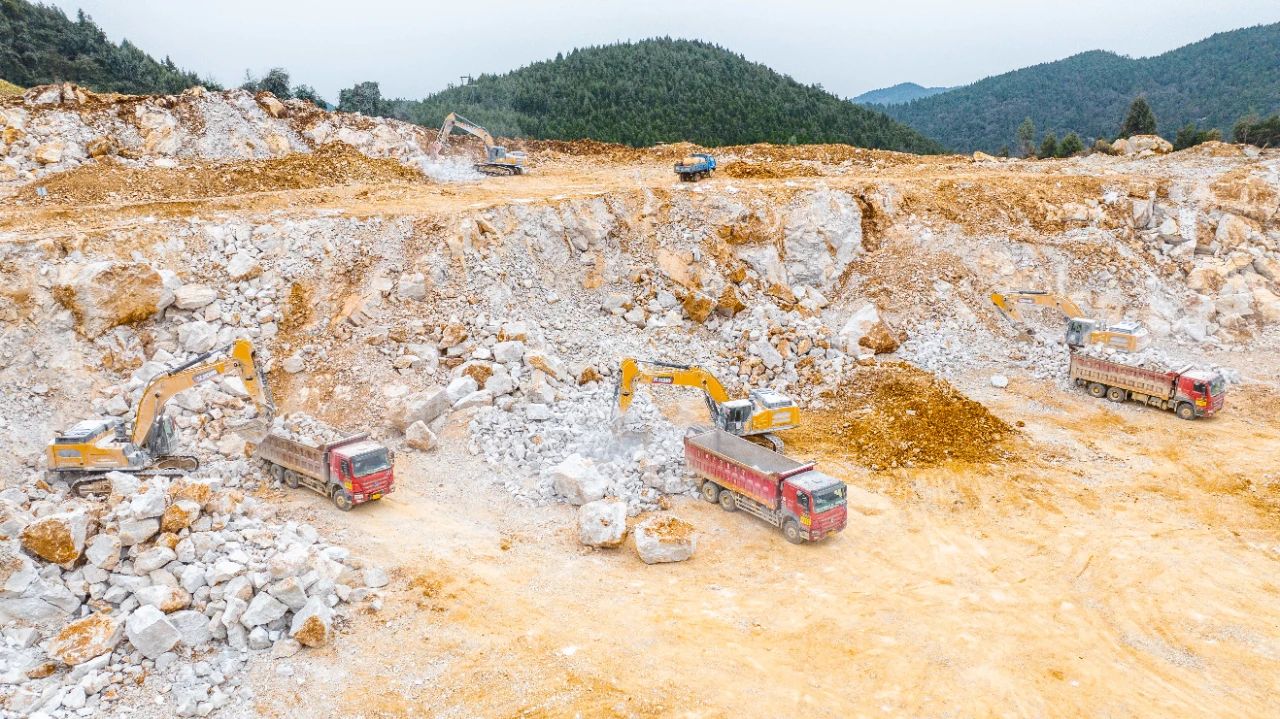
(648, 92)
(40, 45)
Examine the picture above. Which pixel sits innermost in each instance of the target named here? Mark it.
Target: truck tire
(1097, 389)
(791, 530)
(727, 501)
(342, 500)
(290, 478)
(1185, 411)
(1115, 394)
(711, 491)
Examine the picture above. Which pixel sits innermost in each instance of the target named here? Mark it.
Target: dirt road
(1123, 565)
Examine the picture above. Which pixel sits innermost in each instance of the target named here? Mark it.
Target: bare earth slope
(1032, 552)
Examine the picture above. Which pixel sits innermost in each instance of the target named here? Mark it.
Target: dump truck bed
(745, 467)
(1115, 374)
(300, 456)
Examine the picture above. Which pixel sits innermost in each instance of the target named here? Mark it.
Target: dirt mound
(767, 171)
(8, 88)
(896, 415)
(112, 181)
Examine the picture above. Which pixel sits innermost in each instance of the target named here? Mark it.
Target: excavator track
(497, 170)
(170, 466)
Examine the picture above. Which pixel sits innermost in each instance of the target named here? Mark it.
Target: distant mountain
(1212, 82)
(898, 94)
(660, 90)
(40, 45)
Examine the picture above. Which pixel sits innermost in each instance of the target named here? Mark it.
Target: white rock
(190, 297)
(412, 286)
(153, 559)
(138, 531)
(657, 543)
(313, 624)
(375, 578)
(289, 591)
(242, 266)
(198, 336)
(262, 610)
(508, 352)
(294, 363)
(193, 627)
(538, 412)
(999, 380)
(578, 481)
(149, 631)
(420, 437)
(460, 387)
(602, 523)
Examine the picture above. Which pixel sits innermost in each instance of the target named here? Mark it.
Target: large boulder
(57, 538)
(1138, 144)
(865, 330)
(422, 407)
(602, 523)
(665, 538)
(106, 294)
(264, 609)
(85, 639)
(313, 624)
(149, 632)
(578, 481)
(50, 153)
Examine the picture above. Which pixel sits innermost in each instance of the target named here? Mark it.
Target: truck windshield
(370, 462)
(828, 498)
(1216, 387)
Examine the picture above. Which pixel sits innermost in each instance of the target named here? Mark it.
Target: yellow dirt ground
(1122, 565)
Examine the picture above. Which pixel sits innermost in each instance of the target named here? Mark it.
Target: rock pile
(173, 583)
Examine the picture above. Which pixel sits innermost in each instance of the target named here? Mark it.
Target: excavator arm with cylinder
(1081, 330)
(763, 413)
(497, 160)
(102, 445)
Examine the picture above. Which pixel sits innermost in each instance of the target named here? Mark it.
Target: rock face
(57, 538)
(577, 480)
(665, 539)
(602, 523)
(84, 639)
(111, 293)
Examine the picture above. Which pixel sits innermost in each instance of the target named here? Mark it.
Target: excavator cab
(734, 416)
(1079, 330)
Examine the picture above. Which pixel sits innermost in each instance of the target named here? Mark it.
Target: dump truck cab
(362, 468)
(1202, 389)
(817, 502)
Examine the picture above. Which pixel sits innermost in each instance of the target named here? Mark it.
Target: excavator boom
(497, 159)
(1008, 302)
(668, 373)
(1081, 330)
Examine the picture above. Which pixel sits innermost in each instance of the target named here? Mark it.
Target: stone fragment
(191, 297)
(242, 266)
(602, 523)
(290, 591)
(577, 480)
(57, 538)
(420, 437)
(50, 153)
(110, 293)
(84, 639)
(153, 559)
(138, 531)
(262, 610)
(179, 515)
(103, 551)
(664, 538)
(163, 597)
(313, 624)
(149, 632)
(193, 627)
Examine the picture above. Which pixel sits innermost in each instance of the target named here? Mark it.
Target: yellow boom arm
(454, 120)
(238, 360)
(668, 374)
(1007, 303)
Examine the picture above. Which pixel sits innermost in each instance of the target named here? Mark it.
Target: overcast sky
(415, 47)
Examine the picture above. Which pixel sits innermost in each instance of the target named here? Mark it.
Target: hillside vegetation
(660, 90)
(40, 45)
(1213, 83)
(898, 94)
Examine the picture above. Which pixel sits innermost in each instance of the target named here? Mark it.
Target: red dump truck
(350, 471)
(807, 504)
(1188, 392)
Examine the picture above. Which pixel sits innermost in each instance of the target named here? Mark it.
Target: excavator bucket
(257, 428)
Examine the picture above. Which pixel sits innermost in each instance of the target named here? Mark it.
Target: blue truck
(695, 167)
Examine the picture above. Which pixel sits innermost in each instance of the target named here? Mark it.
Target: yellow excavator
(756, 417)
(95, 446)
(1081, 330)
(498, 161)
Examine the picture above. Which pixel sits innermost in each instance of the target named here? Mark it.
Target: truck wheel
(290, 479)
(791, 530)
(1097, 389)
(1186, 411)
(342, 500)
(727, 501)
(1115, 394)
(711, 492)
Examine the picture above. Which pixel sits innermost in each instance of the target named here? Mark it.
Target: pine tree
(1139, 121)
(1071, 145)
(1049, 148)
(1026, 137)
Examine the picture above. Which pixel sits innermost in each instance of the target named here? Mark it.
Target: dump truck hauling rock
(352, 470)
(1189, 393)
(806, 504)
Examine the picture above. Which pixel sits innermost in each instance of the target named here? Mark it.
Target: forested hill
(661, 90)
(1213, 82)
(40, 45)
(898, 94)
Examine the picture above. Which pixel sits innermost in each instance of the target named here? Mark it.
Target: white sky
(415, 48)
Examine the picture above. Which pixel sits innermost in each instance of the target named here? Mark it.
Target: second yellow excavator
(96, 446)
(1081, 330)
(756, 417)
